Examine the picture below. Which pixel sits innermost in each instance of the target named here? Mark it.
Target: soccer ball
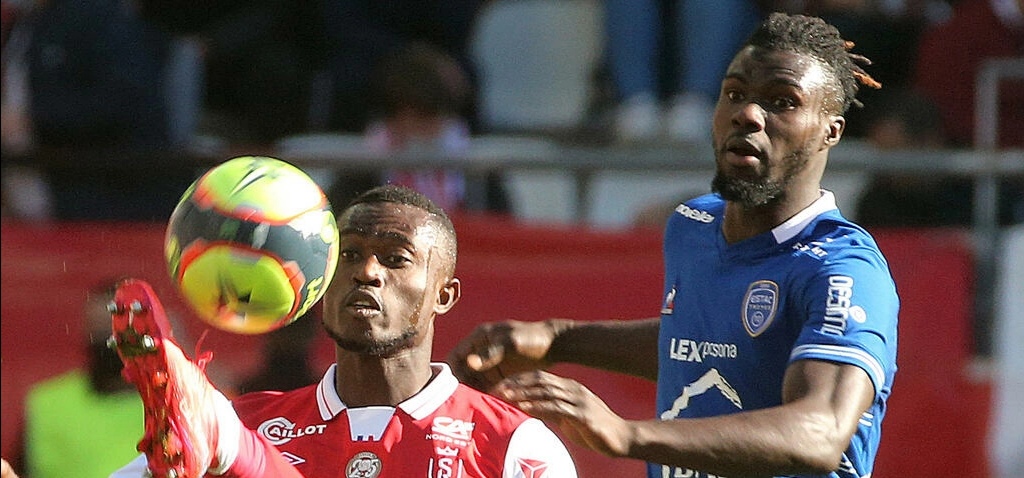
(252, 245)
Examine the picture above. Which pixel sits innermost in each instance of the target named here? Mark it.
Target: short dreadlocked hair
(814, 37)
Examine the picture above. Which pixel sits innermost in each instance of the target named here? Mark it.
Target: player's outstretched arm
(807, 434)
(493, 351)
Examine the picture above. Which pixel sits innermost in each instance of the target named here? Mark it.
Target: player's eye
(782, 103)
(393, 261)
(733, 96)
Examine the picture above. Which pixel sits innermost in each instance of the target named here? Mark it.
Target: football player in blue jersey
(775, 350)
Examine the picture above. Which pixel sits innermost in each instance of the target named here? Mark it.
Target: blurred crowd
(130, 79)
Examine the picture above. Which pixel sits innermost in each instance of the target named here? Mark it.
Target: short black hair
(814, 37)
(394, 193)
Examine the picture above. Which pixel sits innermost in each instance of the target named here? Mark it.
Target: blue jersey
(736, 315)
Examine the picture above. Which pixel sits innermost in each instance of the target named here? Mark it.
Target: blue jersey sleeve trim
(848, 355)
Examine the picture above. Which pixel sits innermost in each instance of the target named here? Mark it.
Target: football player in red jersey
(382, 410)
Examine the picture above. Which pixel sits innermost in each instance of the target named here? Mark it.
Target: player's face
(770, 122)
(389, 284)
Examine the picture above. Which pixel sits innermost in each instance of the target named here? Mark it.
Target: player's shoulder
(834, 246)
(705, 205)
(841, 237)
(701, 210)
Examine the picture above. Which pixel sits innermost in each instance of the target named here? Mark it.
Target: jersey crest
(759, 306)
(363, 465)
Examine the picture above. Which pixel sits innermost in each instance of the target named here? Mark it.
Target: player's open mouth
(742, 147)
(362, 312)
(741, 153)
(362, 304)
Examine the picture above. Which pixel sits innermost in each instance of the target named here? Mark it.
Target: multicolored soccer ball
(252, 245)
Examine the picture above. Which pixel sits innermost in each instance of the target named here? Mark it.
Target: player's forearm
(766, 442)
(626, 346)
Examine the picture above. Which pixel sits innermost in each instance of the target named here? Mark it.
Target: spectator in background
(360, 33)
(902, 118)
(675, 51)
(899, 120)
(260, 60)
(85, 77)
(85, 422)
(950, 56)
(94, 70)
(417, 103)
(905, 119)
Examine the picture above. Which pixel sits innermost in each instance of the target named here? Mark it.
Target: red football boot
(181, 425)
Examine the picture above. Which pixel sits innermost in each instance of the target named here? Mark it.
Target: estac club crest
(759, 306)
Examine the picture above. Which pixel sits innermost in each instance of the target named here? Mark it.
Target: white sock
(229, 429)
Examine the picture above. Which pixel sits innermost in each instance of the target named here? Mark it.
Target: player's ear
(836, 126)
(448, 296)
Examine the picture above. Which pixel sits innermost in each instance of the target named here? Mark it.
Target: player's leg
(191, 428)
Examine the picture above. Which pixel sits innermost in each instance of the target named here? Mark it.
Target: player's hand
(497, 350)
(572, 408)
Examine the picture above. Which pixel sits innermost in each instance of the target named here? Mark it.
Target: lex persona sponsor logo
(280, 430)
(687, 350)
(695, 214)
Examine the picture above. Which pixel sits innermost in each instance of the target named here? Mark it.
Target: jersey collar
(789, 229)
(417, 406)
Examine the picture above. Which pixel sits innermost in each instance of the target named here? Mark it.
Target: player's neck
(364, 381)
(745, 222)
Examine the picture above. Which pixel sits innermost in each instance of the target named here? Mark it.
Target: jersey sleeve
(535, 451)
(852, 310)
